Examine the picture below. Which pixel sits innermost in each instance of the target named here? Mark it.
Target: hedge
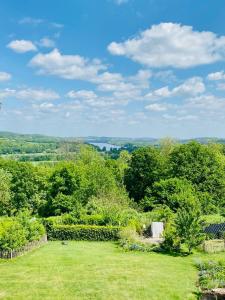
(83, 232)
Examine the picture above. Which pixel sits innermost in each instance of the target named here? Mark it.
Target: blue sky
(136, 68)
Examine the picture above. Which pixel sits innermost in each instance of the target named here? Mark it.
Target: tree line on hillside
(169, 177)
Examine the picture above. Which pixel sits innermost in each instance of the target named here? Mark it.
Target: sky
(125, 68)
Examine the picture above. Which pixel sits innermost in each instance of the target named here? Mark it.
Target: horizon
(119, 137)
(113, 68)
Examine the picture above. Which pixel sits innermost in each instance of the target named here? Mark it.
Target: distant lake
(106, 145)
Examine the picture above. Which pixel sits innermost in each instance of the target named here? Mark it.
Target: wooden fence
(28, 247)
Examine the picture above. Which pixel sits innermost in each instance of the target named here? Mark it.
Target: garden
(97, 214)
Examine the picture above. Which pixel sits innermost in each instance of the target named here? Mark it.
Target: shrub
(211, 274)
(33, 227)
(130, 240)
(12, 234)
(83, 232)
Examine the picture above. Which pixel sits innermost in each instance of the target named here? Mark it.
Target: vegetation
(175, 183)
(211, 274)
(84, 232)
(18, 231)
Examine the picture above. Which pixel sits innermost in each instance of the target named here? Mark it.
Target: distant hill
(40, 138)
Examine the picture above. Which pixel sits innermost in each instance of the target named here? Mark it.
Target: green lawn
(97, 270)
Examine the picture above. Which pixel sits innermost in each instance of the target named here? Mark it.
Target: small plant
(211, 274)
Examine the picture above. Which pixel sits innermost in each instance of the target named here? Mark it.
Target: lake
(106, 145)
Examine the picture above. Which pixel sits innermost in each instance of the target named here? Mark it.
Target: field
(95, 270)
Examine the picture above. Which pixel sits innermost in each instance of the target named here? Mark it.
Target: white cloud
(207, 103)
(180, 118)
(156, 107)
(31, 21)
(172, 45)
(46, 42)
(216, 76)
(67, 66)
(81, 95)
(22, 46)
(38, 21)
(191, 87)
(4, 76)
(29, 94)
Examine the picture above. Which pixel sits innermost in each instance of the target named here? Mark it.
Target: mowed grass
(97, 270)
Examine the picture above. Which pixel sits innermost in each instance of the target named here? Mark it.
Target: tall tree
(146, 166)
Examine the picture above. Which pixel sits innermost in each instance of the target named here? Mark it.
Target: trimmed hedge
(83, 233)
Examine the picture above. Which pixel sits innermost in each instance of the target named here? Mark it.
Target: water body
(106, 145)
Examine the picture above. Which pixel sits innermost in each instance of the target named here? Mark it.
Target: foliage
(83, 232)
(5, 193)
(211, 274)
(12, 234)
(203, 165)
(145, 168)
(33, 227)
(15, 232)
(130, 240)
(189, 227)
(172, 193)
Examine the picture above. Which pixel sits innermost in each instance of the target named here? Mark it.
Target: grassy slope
(91, 270)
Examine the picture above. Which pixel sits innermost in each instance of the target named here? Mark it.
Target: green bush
(83, 232)
(12, 234)
(33, 227)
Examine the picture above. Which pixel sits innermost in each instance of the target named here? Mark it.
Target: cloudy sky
(137, 68)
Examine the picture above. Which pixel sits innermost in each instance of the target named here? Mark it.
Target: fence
(215, 230)
(28, 247)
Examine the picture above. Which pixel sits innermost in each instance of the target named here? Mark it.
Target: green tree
(6, 207)
(203, 166)
(146, 166)
(172, 192)
(189, 227)
(24, 184)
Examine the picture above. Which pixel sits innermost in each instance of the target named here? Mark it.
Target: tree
(24, 184)
(189, 226)
(5, 194)
(145, 168)
(172, 192)
(203, 166)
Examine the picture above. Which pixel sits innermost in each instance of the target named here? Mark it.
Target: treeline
(167, 178)
(174, 174)
(65, 187)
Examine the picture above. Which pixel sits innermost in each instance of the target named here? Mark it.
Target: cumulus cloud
(81, 94)
(4, 76)
(22, 46)
(156, 107)
(190, 87)
(172, 45)
(216, 76)
(207, 103)
(29, 94)
(67, 66)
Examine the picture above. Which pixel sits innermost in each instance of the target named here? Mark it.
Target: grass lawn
(98, 270)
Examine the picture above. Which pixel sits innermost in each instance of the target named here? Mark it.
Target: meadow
(98, 270)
